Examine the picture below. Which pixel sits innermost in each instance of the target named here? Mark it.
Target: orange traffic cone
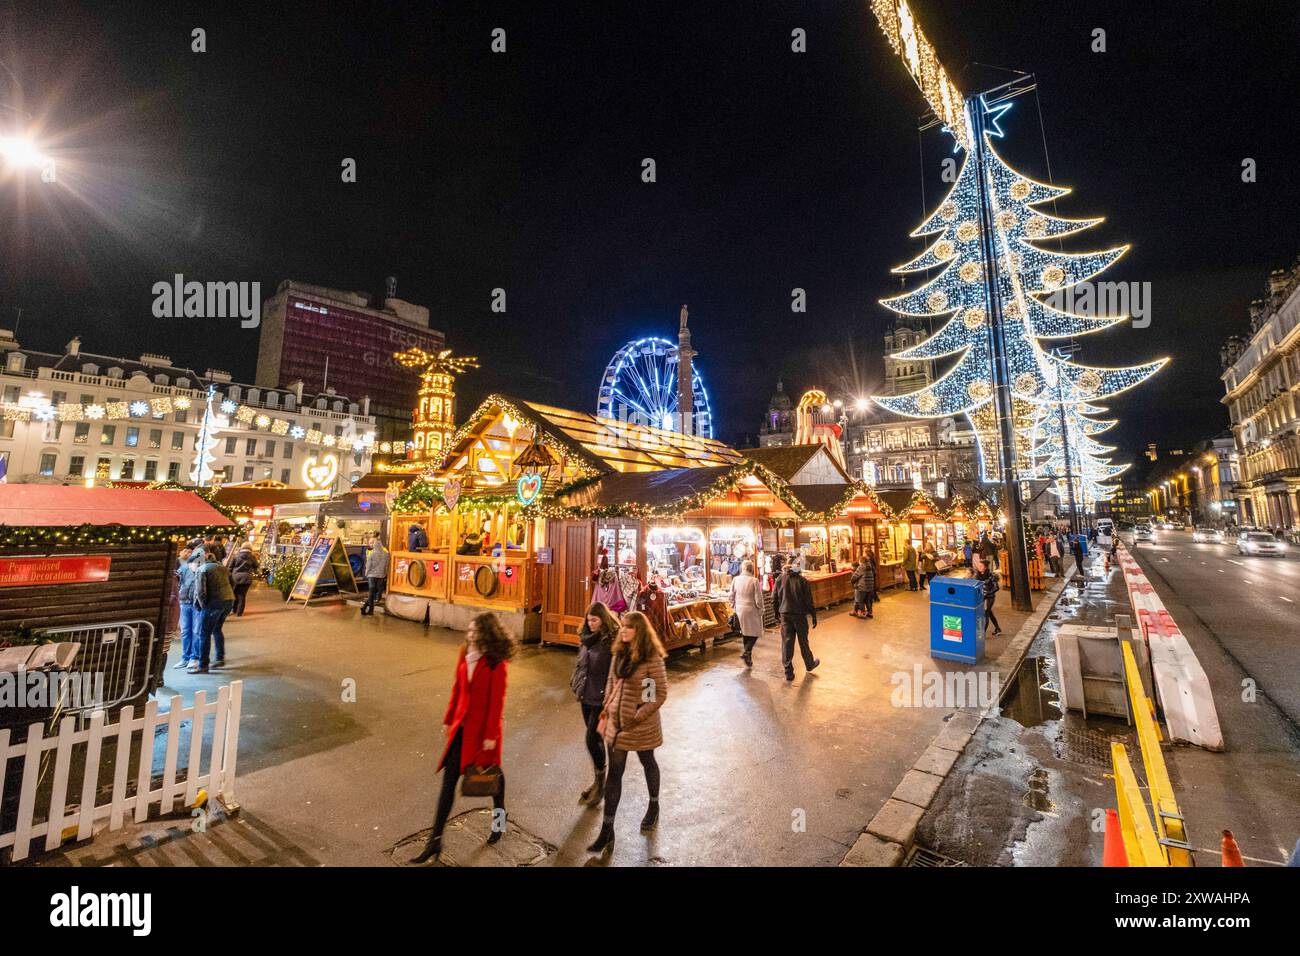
(1112, 852)
(1231, 852)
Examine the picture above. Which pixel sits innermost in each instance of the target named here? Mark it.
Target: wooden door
(568, 580)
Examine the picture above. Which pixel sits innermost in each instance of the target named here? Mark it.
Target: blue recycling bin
(957, 619)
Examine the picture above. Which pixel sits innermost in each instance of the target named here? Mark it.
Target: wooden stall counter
(697, 622)
(830, 587)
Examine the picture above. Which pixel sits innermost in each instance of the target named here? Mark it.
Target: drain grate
(1089, 747)
(920, 856)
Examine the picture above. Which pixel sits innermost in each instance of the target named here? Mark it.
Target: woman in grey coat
(747, 602)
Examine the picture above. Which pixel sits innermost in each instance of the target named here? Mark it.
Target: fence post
(59, 791)
(196, 748)
(90, 778)
(231, 749)
(175, 707)
(120, 765)
(27, 790)
(145, 774)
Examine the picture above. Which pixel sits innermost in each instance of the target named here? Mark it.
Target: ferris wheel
(640, 386)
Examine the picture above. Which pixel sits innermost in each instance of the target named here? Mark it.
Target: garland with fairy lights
(88, 535)
(500, 403)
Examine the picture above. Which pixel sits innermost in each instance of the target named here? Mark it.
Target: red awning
(53, 506)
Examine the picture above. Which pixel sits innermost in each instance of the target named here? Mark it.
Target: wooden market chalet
(536, 511)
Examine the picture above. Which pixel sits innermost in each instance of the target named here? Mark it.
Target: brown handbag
(481, 781)
(617, 694)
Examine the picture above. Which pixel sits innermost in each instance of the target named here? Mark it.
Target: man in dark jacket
(795, 604)
(242, 567)
(416, 539)
(216, 596)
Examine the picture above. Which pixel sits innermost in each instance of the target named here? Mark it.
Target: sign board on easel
(326, 564)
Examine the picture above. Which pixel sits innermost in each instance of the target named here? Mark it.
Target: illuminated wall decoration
(815, 424)
(318, 475)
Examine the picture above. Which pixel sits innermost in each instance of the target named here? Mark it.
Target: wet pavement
(340, 739)
(1032, 787)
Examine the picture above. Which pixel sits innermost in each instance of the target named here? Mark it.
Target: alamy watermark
(951, 689)
(179, 299)
(72, 690)
(1104, 299)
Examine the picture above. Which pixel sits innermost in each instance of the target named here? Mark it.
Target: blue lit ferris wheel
(640, 386)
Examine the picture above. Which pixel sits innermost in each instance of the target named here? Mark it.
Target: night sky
(521, 171)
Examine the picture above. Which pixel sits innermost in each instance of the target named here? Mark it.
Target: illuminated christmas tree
(958, 296)
(206, 440)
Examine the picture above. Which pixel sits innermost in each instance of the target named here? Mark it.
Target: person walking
(795, 604)
(747, 602)
(590, 675)
(909, 565)
(1052, 551)
(215, 595)
(243, 568)
(1076, 549)
(473, 725)
(929, 562)
(864, 587)
(989, 585)
(191, 617)
(636, 689)
(376, 573)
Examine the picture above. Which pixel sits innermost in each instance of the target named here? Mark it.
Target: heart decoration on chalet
(451, 494)
(528, 488)
(319, 474)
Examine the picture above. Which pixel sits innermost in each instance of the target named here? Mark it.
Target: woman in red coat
(473, 722)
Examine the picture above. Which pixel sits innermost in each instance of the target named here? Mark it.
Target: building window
(107, 434)
(250, 447)
(81, 433)
(11, 394)
(132, 436)
(178, 441)
(228, 472)
(53, 430)
(128, 469)
(284, 476)
(270, 449)
(151, 470)
(230, 445)
(173, 471)
(180, 415)
(155, 438)
(288, 449)
(248, 473)
(49, 461)
(88, 399)
(77, 465)
(102, 467)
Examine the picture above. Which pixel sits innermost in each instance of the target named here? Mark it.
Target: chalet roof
(245, 499)
(784, 460)
(819, 498)
(70, 506)
(603, 444)
(646, 489)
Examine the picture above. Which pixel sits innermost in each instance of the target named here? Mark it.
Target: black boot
(596, 792)
(496, 834)
(651, 815)
(432, 849)
(604, 844)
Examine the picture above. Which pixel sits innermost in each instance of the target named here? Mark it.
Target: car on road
(1143, 532)
(1208, 535)
(1260, 543)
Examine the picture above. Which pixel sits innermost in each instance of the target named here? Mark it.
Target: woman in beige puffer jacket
(636, 689)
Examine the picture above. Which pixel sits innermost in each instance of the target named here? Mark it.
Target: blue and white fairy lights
(1027, 272)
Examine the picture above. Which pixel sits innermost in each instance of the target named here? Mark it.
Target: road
(1251, 605)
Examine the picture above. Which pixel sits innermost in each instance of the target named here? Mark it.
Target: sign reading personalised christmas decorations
(32, 572)
(327, 564)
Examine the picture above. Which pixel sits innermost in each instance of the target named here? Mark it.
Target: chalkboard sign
(326, 564)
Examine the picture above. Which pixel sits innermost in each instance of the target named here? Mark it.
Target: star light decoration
(958, 295)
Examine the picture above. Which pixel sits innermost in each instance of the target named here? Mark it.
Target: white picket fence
(131, 733)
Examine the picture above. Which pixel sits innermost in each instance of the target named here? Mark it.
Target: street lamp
(20, 152)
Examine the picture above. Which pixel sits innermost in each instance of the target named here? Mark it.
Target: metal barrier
(112, 650)
(1165, 844)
